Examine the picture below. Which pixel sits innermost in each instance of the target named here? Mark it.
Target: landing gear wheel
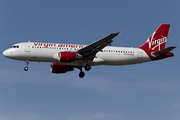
(81, 74)
(26, 68)
(87, 67)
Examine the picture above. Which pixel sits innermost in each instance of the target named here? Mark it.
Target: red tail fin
(157, 40)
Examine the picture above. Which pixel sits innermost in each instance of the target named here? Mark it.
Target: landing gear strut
(26, 68)
(81, 74)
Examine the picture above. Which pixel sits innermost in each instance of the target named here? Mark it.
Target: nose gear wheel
(26, 68)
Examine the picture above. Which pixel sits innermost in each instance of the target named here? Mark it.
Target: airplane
(66, 57)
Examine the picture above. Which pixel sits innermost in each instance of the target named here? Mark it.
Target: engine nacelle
(60, 68)
(67, 56)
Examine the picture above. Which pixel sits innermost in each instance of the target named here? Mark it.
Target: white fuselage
(45, 52)
(66, 57)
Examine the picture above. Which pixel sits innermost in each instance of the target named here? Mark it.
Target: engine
(60, 68)
(67, 56)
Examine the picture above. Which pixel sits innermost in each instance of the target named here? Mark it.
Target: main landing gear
(81, 74)
(87, 68)
(26, 68)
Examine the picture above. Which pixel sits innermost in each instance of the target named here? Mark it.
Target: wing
(91, 50)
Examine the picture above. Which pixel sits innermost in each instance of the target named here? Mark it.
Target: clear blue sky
(148, 91)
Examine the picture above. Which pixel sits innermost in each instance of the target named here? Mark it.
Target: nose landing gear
(26, 68)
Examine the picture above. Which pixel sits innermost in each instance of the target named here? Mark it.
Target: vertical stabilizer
(157, 40)
(154, 46)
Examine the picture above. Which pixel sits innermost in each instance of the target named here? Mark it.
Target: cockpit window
(15, 46)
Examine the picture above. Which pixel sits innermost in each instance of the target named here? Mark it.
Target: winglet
(120, 32)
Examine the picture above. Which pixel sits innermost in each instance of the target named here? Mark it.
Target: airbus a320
(66, 57)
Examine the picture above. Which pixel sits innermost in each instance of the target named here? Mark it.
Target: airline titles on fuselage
(57, 45)
(65, 46)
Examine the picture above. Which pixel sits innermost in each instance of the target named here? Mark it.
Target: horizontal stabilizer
(164, 51)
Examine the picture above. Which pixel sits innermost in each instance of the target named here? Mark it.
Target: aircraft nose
(5, 53)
